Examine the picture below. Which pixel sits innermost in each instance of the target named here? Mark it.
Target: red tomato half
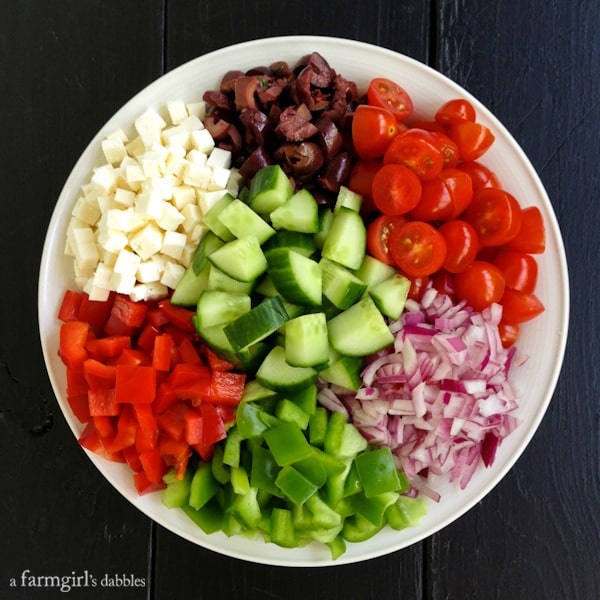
(480, 175)
(462, 245)
(458, 110)
(373, 128)
(387, 94)
(448, 148)
(519, 307)
(496, 216)
(396, 190)
(520, 270)
(480, 285)
(473, 139)
(436, 201)
(508, 333)
(531, 237)
(378, 237)
(417, 248)
(361, 180)
(417, 150)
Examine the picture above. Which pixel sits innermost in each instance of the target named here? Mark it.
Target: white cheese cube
(176, 136)
(174, 165)
(163, 186)
(124, 220)
(102, 276)
(127, 263)
(197, 157)
(106, 203)
(134, 174)
(173, 244)
(192, 216)
(220, 177)
(147, 271)
(147, 241)
(111, 240)
(108, 258)
(87, 212)
(122, 284)
(235, 182)
(135, 147)
(197, 108)
(172, 275)
(171, 218)
(96, 293)
(182, 195)
(197, 233)
(202, 140)
(177, 111)
(83, 245)
(207, 199)
(149, 205)
(192, 123)
(114, 150)
(148, 291)
(152, 165)
(149, 127)
(219, 158)
(196, 175)
(118, 134)
(105, 180)
(124, 198)
(188, 253)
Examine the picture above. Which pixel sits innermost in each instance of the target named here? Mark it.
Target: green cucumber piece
(299, 212)
(340, 286)
(242, 221)
(360, 330)
(217, 308)
(373, 271)
(195, 277)
(347, 238)
(346, 197)
(344, 372)
(390, 295)
(218, 280)
(306, 340)
(277, 374)
(256, 324)
(303, 243)
(211, 218)
(269, 189)
(296, 277)
(325, 221)
(241, 259)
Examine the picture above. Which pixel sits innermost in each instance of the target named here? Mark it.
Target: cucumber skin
(347, 238)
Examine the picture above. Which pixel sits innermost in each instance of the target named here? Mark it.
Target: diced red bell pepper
(102, 403)
(153, 465)
(133, 459)
(216, 363)
(90, 440)
(179, 316)
(188, 353)
(73, 337)
(80, 406)
(165, 398)
(130, 313)
(172, 420)
(226, 387)
(107, 347)
(105, 426)
(144, 486)
(135, 384)
(193, 427)
(95, 312)
(175, 453)
(213, 429)
(127, 427)
(133, 357)
(99, 375)
(145, 416)
(205, 452)
(146, 440)
(192, 382)
(69, 307)
(162, 352)
(76, 381)
(146, 338)
(157, 318)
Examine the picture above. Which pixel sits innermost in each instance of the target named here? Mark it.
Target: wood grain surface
(67, 65)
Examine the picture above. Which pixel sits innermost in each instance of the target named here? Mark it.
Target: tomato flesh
(520, 270)
(462, 245)
(480, 285)
(457, 110)
(396, 190)
(373, 129)
(378, 237)
(519, 307)
(473, 139)
(389, 95)
(531, 237)
(417, 150)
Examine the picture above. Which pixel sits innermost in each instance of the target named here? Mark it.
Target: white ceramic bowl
(543, 339)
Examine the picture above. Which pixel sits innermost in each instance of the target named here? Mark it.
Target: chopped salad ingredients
(297, 310)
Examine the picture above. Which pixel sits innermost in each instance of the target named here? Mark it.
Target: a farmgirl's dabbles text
(288, 286)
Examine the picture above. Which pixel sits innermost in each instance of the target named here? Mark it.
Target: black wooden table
(66, 66)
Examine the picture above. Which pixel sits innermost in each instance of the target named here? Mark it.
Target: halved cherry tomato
(387, 94)
(509, 332)
(396, 190)
(480, 285)
(361, 180)
(448, 148)
(417, 248)
(531, 237)
(519, 307)
(461, 189)
(417, 287)
(520, 270)
(480, 175)
(378, 236)
(436, 201)
(457, 110)
(473, 139)
(373, 129)
(496, 216)
(417, 150)
(462, 245)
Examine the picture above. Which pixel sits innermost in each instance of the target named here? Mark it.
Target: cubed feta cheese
(149, 127)
(102, 276)
(148, 271)
(136, 147)
(192, 123)
(177, 111)
(114, 150)
(123, 197)
(207, 199)
(171, 218)
(197, 108)
(172, 275)
(196, 175)
(111, 240)
(124, 220)
(105, 180)
(197, 157)
(202, 140)
(149, 205)
(134, 174)
(173, 244)
(219, 158)
(96, 293)
(122, 284)
(193, 216)
(182, 195)
(147, 241)
(220, 177)
(148, 291)
(176, 136)
(127, 263)
(86, 211)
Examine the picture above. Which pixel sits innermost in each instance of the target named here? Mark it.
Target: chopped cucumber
(373, 271)
(277, 374)
(346, 197)
(303, 243)
(241, 259)
(269, 189)
(344, 372)
(340, 285)
(216, 307)
(242, 221)
(306, 340)
(325, 221)
(346, 240)
(218, 280)
(212, 221)
(296, 277)
(360, 330)
(390, 295)
(300, 213)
